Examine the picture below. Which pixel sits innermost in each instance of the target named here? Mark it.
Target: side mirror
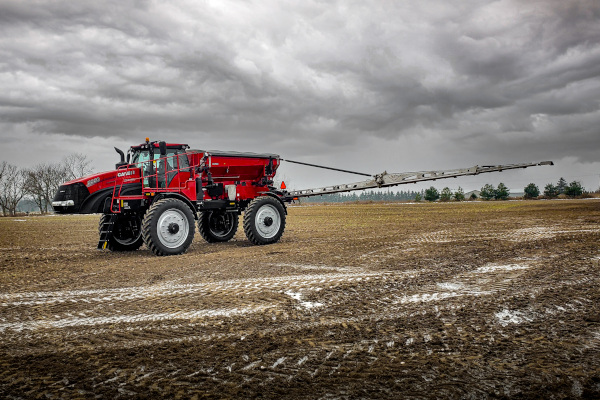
(163, 148)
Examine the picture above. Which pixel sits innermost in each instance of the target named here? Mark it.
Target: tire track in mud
(414, 309)
(395, 249)
(170, 289)
(84, 306)
(69, 322)
(314, 359)
(247, 315)
(314, 356)
(32, 316)
(511, 235)
(144, 309)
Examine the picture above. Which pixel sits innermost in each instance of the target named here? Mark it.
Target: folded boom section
(392, 179)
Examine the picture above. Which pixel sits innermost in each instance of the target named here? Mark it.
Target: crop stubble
(479, 300)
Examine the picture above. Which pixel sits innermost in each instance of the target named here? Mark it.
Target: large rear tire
(127, 232)
(264, 220)
(168, 227)
(218, 226)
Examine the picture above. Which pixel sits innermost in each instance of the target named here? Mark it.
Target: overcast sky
(363, 85)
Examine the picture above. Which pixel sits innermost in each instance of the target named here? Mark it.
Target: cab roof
(155, 145)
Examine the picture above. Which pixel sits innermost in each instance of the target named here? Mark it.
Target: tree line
(39, 183)
(446, 194)
(487, 192)
(573, 189)
(375, 195)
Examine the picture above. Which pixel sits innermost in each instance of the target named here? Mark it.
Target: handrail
(158, 181)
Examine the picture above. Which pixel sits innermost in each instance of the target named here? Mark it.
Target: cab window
(173, 156)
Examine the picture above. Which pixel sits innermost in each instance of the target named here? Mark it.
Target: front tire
(168, 227)
(127, 232)
(217, 226)
(264, 220)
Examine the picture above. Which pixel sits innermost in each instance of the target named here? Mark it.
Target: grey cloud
(315, 76)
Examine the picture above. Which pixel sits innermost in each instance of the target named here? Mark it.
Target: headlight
(66, 203)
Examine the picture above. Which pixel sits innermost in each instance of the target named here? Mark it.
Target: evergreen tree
(531, 191)
(561, 185)
(502, 192)
(550, 191)
(431, 194)
(418, 197)
(446, 194)
(459, 195)
(487, 192)
(574, 189)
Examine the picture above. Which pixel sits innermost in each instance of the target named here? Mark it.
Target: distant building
(477, 193)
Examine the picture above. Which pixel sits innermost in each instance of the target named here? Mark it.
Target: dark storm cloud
(488, 77)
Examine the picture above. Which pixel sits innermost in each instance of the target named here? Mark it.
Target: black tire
(264, 220)
(217, 226)
(168, 227)
(127, 232)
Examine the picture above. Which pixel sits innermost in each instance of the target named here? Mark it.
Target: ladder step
(106, 232)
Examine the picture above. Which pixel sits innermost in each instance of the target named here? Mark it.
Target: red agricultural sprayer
(156, 194)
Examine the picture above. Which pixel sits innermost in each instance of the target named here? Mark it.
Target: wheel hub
(173, 228)
(267, 221)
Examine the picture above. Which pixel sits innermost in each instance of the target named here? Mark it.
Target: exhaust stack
(122, 162)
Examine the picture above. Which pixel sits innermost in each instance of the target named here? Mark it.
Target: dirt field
(471, 300)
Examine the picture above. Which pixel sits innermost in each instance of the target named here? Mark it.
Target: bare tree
(52, 179)
(3, 167)
(11, 188)
(39, 183)
(42, 181)
(33, 188)
(76, 165)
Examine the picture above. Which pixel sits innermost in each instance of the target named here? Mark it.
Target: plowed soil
(459, 300)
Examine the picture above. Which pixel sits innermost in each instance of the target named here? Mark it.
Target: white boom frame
(386, 180)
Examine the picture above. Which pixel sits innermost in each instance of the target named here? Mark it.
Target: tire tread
(251, 210)
(111, 245)
(204, 229)
(147, 227)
